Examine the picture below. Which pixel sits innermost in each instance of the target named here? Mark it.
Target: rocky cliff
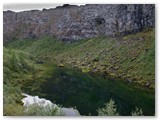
(70, 22)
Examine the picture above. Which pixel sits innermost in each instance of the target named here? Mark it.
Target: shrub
(137, 112)
(13, 110)
(17, 66)
(37, 110)
(109, 109)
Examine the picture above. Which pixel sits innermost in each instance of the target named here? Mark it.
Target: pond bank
(70, 87)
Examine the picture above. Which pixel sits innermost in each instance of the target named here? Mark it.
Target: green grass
(18, 67)
(13, 110)
(130, 58)
(45, 48)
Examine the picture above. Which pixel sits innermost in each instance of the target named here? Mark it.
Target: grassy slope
(18, 67)
(131, 57)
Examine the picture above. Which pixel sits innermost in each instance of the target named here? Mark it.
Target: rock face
(70, 22)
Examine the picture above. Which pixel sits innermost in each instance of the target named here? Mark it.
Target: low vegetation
(37, 110)
(18, 67)
(137, 112)
(130, 58)
(110, 109)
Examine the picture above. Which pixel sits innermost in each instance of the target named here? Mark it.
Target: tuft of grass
(137, 112)
(13, 110)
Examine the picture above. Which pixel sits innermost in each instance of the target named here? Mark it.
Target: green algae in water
(69, 88)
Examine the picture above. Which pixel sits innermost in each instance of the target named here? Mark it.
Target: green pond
(69, 87)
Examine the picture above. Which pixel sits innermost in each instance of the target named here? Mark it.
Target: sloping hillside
(130, 58)
(18, 67)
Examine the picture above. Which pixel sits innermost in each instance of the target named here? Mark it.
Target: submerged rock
(31, 100)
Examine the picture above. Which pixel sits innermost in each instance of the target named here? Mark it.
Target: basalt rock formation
(71, 22)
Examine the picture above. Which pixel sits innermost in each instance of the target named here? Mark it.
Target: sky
(24, 7)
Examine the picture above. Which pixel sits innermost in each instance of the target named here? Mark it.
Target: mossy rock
(85, 70)
(61, 65)
(113, 74)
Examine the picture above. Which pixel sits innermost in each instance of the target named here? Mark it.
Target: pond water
(69, 88)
